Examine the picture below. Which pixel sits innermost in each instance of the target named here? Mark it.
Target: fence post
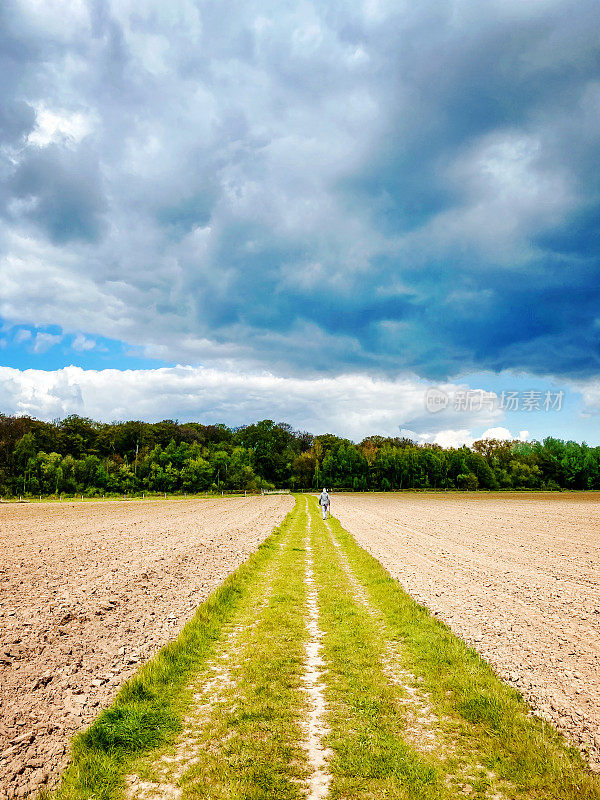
(165, 495)
(82, 498)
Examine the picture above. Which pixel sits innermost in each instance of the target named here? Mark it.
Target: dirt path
(318, 753)
(516, 576)
(88, 592)
(218, 691)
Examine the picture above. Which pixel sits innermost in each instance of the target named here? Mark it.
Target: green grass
(250, 747)
(371, 759)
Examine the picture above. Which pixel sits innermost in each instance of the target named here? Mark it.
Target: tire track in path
(318, 755)
(161, 780)
(422, 730)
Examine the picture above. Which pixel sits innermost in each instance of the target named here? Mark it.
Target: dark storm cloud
(398, 186)
(17, 117)
(61, 192)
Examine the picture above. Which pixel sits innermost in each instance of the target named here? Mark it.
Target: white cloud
(82, 343)
(22, 335)
(509, 192)
(45, 279)
(59, 126)
(590, 392)
(44, 341)
(349, 405)
(60, 19)
(452, 438)
(497, 433)
(464, 436)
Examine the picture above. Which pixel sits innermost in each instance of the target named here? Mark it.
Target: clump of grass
(130, 727)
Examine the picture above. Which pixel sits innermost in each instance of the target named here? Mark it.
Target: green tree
(303, 470)
(50, 472)
(25, 458)
(467, 481)
(272, 447)
(196, 475)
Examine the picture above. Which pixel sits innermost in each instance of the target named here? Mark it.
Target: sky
(357, 217)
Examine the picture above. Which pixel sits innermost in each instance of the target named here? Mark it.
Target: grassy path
(311, 674)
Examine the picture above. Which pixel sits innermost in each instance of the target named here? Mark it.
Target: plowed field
(88, 592)
(515, 575)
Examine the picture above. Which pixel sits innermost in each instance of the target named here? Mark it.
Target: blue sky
(317, 197)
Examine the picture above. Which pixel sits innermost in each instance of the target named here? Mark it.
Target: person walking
(324, 502)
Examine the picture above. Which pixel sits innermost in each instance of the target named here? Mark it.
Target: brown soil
(88, 592)
(515, 575)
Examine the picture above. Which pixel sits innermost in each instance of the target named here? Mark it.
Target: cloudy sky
(314, 212)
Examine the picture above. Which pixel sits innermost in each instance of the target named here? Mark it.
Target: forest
(79, 456)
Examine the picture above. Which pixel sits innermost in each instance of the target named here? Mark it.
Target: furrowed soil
(517, 576)
(90, 591)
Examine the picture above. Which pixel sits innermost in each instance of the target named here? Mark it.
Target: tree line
(79, 456)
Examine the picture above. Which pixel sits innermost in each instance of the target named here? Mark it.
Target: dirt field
(516, 575)
(88, 591)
